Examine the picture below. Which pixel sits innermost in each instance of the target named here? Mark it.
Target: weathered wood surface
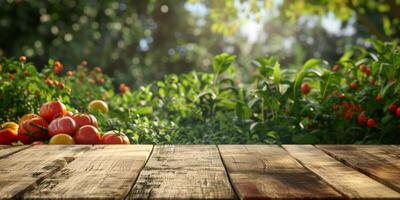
(6, 150)
(103, 172)
(22, 170)
(183, 172)
(269, 172)
(344, 179)
(378, 161)
(200, 172)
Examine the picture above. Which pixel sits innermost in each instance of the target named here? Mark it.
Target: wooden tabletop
(200, 172)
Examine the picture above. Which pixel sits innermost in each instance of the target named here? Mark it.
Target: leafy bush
(351, 101)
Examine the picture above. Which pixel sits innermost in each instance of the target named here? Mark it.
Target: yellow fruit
(98, 106)
(62, 139)
(12, 125)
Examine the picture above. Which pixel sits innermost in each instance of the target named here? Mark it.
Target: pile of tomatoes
(55, 125)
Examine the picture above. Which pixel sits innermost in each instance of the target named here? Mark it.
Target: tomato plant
(354, 100)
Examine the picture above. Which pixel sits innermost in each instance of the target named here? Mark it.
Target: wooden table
(200, 172)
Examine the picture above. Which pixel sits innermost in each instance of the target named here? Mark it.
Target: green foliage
(217, 107)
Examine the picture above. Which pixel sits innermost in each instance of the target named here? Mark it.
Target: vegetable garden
(353, 100)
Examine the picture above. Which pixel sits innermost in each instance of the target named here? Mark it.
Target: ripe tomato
(342, 95)
(362, 119)
(53, 109)
(336, 68)
(62, 139)
(393, 107)
(98, 106)
(398, 112)
(8, 133)
(85, 119)
(88, 134)
(33, 130)
(346, 105)
(114, 137)
(353, 85)
(64, 125)
(22, 58)
(27, 117)
(378, 98)
(58, 67)
(11, 125)
(334, 106)
(305, 88)
(368, 71)
(371, 123)
(348, 115)
(363, 67)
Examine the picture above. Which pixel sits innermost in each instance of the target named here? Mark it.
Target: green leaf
(144, 110)
(222, 62)
(300, 76)
(277, 73)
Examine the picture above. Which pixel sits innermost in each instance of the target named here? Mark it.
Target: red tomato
(336, 68)
(64, 125)
(33, 130)
(371, 123)
(348, 115)
(362, 119)
(393, 107)
(305, 88)
(27, 117)
(353, 85)
(22, 58)
(368, 71)
(398, 112)
(53, 109)
(58, 67)
(87, 134)
(363, 67)
(342, 95)
(378, 98)
(334, 106)
(85, 119)
(114, 137)
(8, 136)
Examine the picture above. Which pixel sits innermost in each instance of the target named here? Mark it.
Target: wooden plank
(20, 171)
(380, 162)
(344, 179)
(103, 172)
(6, 150)
(183, 172)
(269, 172)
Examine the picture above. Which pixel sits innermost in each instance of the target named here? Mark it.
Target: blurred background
(140, 41)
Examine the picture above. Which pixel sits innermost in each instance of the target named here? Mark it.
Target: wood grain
(6, 150)
(103, 172)
(183, 172)
(20, 171)
(344, 179)
(379, 162)
(269, 172)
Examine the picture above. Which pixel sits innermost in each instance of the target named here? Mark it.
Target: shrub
(351, 101)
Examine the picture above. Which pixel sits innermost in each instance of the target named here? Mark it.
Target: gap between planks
(8, 150)
(228, 174)
(140, 172)
(363, 150)
(346, 180)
